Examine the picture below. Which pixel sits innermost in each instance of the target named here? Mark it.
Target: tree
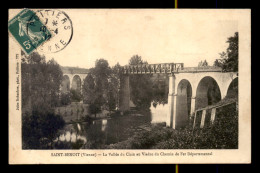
(88, 89)
(203, 63)
(217, 63)
(55, 77)
(229, 59)
(114, 86)
(113, 93)
(160, 89)
(75, 95)
(101, 71)
(200, 64)
(136, 60)
(41, 81)
(65, 99)
(95, 107)
(95, 87)
(39, 129)
(101, 74)
(140, 86)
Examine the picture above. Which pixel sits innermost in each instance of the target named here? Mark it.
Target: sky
(158, 36)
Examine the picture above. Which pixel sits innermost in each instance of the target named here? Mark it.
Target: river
(98, 133)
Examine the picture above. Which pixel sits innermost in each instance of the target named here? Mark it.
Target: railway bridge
(190, 88)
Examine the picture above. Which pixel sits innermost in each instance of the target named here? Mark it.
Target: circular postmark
(60, 26)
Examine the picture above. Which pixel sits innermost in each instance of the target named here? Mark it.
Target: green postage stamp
(28, 30)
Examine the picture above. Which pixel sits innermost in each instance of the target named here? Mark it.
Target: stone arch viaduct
(73, 78)
(190, 88)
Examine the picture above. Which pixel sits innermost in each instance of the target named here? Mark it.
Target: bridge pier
(192, 108)
(170, 119)
(124, 98)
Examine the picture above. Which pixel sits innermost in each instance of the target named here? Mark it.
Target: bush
(78, 144)
(65, 99)
(75, 95)
(87, 119)
(94, 109)
(39, 130)
(223, 134)
(69, 145)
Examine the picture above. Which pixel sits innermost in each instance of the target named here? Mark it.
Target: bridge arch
(65, 84)
(207, 93)
(183, 102)
(232, 90)
(76, 83)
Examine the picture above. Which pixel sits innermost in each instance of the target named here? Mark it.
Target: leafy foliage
(78, 144)
(39, 129)
(140, 86)
(95, 87)
(65, 99)
(223, 134)
(101, 87)
(88, 89)
(113, 94)
(229, 59)
(115, 80)
(75, 95)
(217, 63)
(95, 107)
(40, 83)
(203, 63)
(160, 88)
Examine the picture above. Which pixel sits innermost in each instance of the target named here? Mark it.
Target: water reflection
(78, 126)
(104, 125)
(159, 112)
(96, 134)
(71, 137)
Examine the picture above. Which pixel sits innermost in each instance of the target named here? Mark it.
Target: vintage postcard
(129, 86)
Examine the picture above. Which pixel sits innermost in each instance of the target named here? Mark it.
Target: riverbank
(104, 114)
(97, 133)
(223, 134)
(78, 112)
(134, 130)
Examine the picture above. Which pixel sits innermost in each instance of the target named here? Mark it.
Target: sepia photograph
(157, 85)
